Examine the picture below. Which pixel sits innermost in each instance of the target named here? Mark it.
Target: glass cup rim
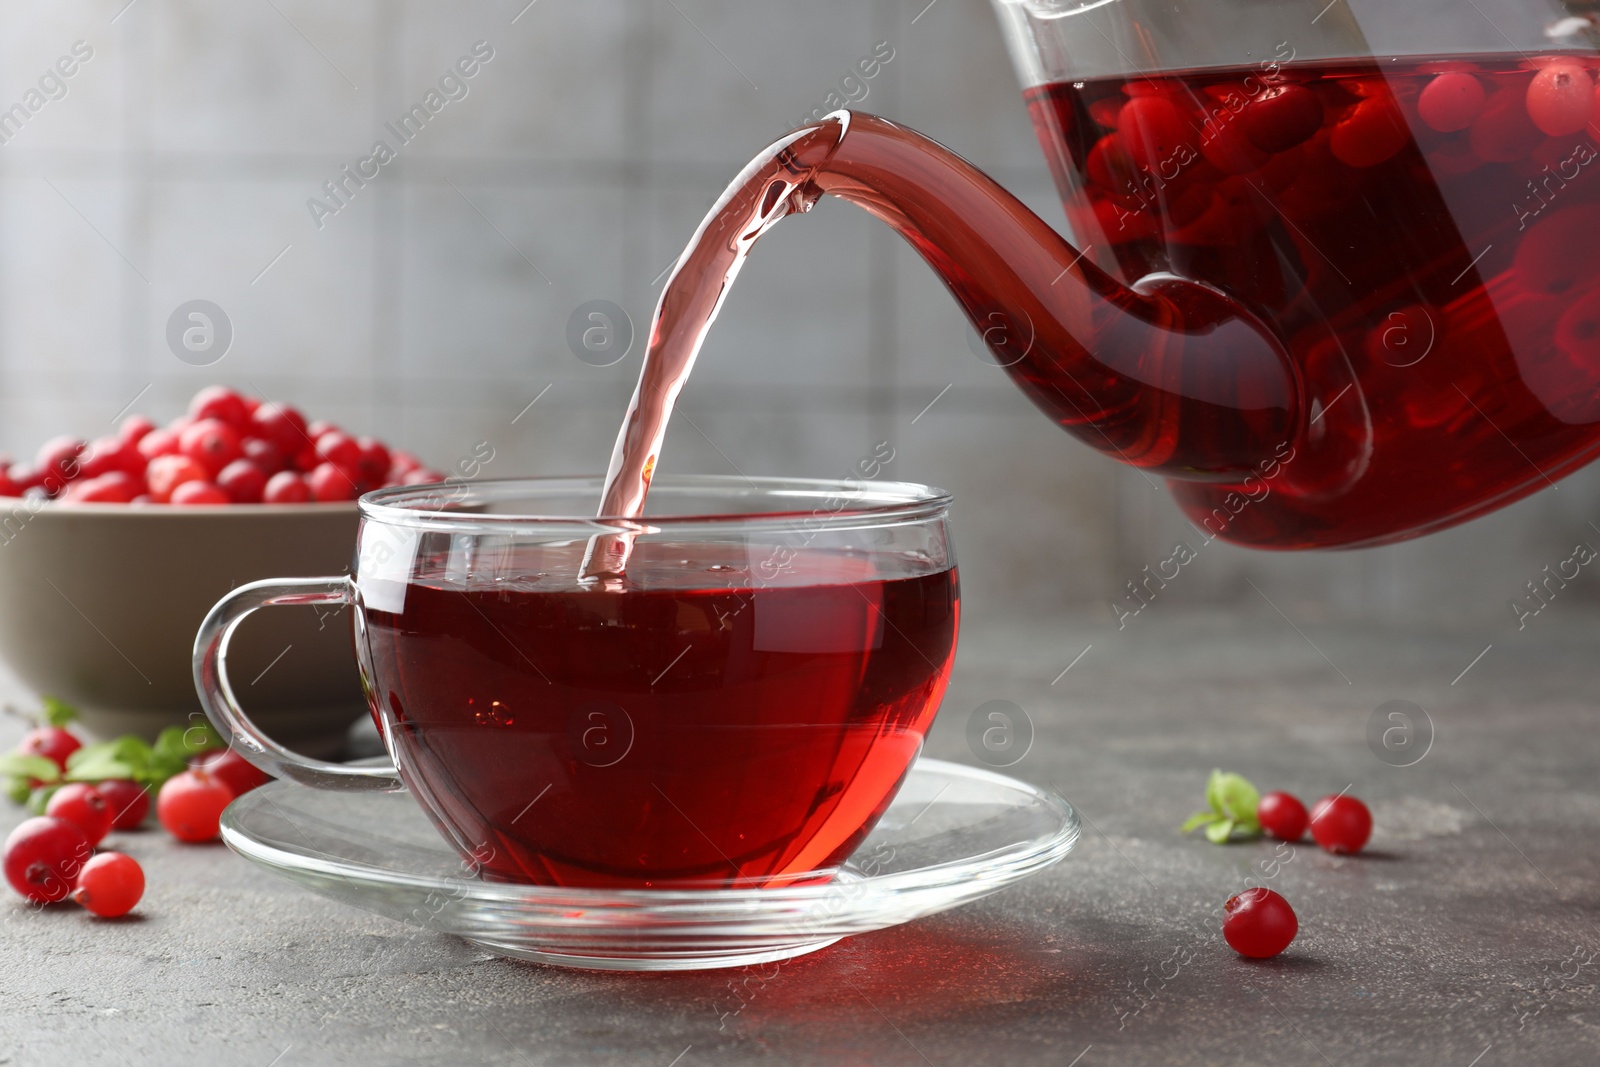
(858, 502)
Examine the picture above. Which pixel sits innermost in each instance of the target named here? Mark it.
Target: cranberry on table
(220, 402)
(1259, 923)
(110, 885)
(7, 486)
(242, 481)
(286, 487)
(166, 473)
(82, 805)
(198, 493)
(1452, 101)
(1340, 824)
(43, 856)
(190, 806)
(1282, 816)
(129, 802)
(329, 482)
(52, 742)
(233, 770)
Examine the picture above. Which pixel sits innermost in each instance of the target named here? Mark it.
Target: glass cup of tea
(737, 709)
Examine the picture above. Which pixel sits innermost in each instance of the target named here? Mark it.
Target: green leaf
(1198, 819)
(58, 712)
(39, 798)
(1219, 832)
(17, 789)
(1232, 796)
(183, 743)
(124, 757)
(23, 765)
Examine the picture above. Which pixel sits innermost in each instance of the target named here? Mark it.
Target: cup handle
(222, 707)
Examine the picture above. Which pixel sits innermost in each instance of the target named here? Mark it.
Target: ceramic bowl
(99, 605)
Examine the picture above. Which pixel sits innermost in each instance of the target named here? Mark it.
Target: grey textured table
(1466, 935)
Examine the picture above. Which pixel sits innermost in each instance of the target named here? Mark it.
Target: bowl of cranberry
(113, 550)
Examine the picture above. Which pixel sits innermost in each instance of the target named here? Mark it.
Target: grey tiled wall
(433, 307)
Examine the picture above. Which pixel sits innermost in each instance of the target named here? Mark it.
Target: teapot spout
(1169, 375)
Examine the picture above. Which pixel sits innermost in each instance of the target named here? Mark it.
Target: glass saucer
(953, 834)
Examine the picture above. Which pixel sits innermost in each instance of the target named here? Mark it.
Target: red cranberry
(221, 403)
(166, 473)
(242, 481)
(1229, 148)
(1282, 117)
(339, 448)
(306, 460)
(331, 482)
(282, 425)
(160, 442)
(212, 442)
(199, 493)
(233, 770)
(1152, 130)
(1340, 824)
(190, 806)
(317, 427)
(1503, 132)
(401, 461)
(264, 453)
(1451, 101)
(82, 805)
(375, 461)
(129, 802)
(118, 487)
(43, 856)
(25, 477)
(1560, 98)
(58, 458)
(7, 486)
(1373, 132)
(54, 743)
(286, 487)
(107, 454)
(1282, 816)
(421, 476)
(110, 885)
(1259, 923)
(134, 427)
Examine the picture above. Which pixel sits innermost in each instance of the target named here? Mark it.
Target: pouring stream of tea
(774, 185)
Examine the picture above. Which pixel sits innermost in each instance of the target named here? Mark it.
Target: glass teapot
(1333, 269)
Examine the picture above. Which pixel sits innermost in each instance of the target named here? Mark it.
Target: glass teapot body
(1409, 201)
